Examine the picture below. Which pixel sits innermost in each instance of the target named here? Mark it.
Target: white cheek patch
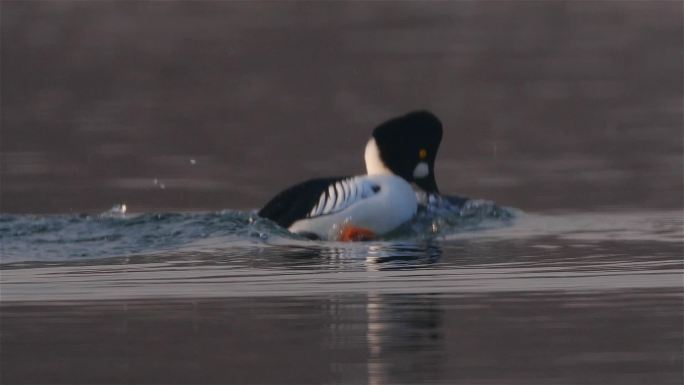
(374, 164)
(421, 171)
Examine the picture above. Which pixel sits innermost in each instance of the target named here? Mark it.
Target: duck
(399, 156)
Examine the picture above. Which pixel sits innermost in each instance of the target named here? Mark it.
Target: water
(72, 238)
(233, 254)
(194, 114)
(214, 297)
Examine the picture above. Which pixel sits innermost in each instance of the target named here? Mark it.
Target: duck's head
(406, 146)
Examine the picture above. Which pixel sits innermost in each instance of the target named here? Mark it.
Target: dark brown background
(546, 105)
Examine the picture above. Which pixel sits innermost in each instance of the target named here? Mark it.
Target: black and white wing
(342, 194)
(317, 197)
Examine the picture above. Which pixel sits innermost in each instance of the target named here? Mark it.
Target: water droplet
(118, 209)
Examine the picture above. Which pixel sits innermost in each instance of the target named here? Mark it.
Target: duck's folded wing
(296, 202)
(315, 198)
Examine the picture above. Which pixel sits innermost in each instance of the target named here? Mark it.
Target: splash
(118, 233)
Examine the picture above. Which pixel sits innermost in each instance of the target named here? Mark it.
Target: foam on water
(69, 238)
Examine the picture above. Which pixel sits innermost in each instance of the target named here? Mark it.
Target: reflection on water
(403, 255)
(406, 339)
(576, 298)
(625, 337)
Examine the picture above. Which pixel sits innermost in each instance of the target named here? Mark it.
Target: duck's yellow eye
(422, 153)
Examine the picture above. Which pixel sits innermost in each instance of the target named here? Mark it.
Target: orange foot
(350, 234)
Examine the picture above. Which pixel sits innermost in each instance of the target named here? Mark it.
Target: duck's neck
(374, 164)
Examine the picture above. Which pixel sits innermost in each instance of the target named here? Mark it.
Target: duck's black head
(407, 146)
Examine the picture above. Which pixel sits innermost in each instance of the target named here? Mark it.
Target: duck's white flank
(379, 211)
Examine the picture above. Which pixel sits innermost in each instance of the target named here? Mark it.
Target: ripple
(114, 233)
(232, 253)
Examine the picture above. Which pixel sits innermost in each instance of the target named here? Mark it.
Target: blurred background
(212, 105)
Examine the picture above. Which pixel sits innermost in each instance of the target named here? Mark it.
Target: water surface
(216, 297)
(196, 113)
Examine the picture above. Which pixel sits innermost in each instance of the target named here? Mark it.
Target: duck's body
(401, 151)
(347, 208)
